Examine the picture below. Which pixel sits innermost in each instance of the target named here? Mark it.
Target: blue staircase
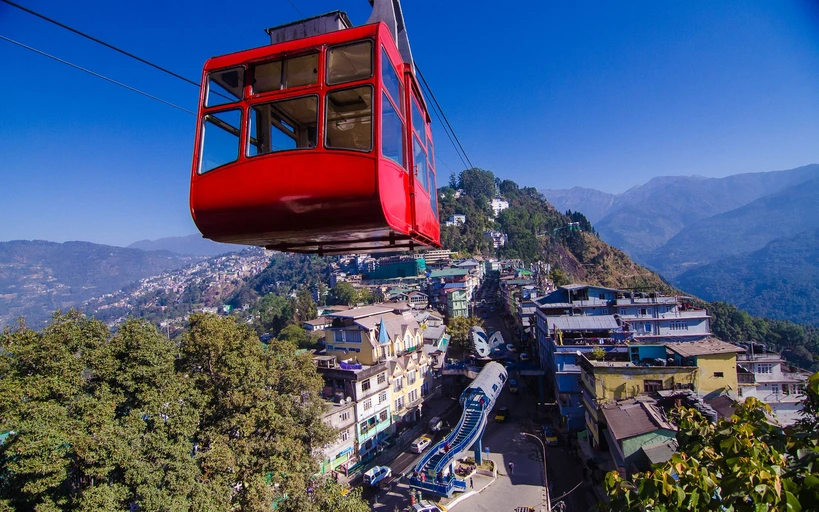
(469, 429)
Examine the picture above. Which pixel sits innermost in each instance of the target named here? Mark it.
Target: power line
(92, 38)
(434, 99)
(35, 50)
(446, 131)
(294, 7)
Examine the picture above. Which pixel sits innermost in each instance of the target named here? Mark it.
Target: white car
(376, 474)
(420, 444)
(428, 506)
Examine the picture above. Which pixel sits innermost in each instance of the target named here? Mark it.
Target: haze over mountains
(676, 224)
(191, 244)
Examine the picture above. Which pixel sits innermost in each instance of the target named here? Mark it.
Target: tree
(219, 422)
(345, 293)
(296, 335)
(458, 328)
(477, 183)
(304, 306)
(559, 278)
(743, 463)
(274, 313)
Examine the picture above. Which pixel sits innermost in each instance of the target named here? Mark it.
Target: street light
(545, 470)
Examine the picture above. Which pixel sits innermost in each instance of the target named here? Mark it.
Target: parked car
(435, 424)
(549, 435)
(513, 386)
(376, 474)
(502, 414)
(524, 356)
(420, 444)
(428, 506)
(510, 347)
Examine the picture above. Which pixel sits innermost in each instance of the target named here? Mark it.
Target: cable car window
(286, 73)
(225, 86)
(392, 132)
(350, 119)
(220, 139)
(350, 62)
(433, 191)
(418, 120)
(420, 162)
(283, 125)
(391, 81)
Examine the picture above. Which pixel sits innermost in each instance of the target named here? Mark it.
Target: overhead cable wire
(294, 7)
(434, 99)
(35, 50)
(92, 38)
(451, 141)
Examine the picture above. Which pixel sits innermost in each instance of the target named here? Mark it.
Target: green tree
(274, 313)
(304, 306)
(743, 463)
(295, 334)
(219, 422)
(458, 328)
(477, 183)
(559, 277)
(345, 293)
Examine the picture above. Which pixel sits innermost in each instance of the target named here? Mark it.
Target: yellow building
(373, 333)
(708, 367)
(407, 383)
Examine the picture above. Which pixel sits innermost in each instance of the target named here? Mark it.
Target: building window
(622, 311)
(368, 404)
(648, 328)
(338, 336)
(719, 374)
(399, 403)
(382, 397)
(643, 311)
(775, 388)
(353, 336)
(398, 384)
(365, 385)
(344, 416)
(411, 378)
(413, 396)
(382, 415)
(345, 434)
(764, 368)
(382, 377)
(652, 385)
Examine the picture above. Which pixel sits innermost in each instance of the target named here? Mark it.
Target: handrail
(468, 439)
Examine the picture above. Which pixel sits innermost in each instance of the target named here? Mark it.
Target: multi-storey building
(372, 333)
(574, 319)
(764, 375)
(341, 415)
(367, 388)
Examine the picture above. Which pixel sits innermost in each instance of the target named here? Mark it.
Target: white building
(456, 220)
(498, 205)
(767, 377)
(651, 315)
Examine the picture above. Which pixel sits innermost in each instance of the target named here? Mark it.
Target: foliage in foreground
(216, 422)
(740, 464)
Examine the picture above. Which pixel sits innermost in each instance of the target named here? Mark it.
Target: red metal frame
(315, 200)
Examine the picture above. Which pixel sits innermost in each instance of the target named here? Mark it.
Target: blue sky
(549, 94)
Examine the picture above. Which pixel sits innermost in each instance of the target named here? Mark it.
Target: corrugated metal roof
(582, 323)
(658, 453)
(448, 272)
(362, 312)
(632, 418)
(708, 346)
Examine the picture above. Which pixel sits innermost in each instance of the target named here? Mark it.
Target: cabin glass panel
(220, 139)
(391, 82)
(225, 86)
(350, 119)
(349, 63)
(420, 161)
(283, 125)
(286, 73)
(418, 124)
(392, 132)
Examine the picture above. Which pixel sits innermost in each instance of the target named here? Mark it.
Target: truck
(435, 424)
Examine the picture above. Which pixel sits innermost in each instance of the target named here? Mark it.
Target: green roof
(448, 272)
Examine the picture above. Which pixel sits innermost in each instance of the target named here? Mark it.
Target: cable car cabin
(315, 145)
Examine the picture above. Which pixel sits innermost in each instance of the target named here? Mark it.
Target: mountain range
(191, 244)
(675, 224)
(39, 277)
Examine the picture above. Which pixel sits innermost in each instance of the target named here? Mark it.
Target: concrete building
(373, 333)
(498, 204)
(766, 376)
(341, 415)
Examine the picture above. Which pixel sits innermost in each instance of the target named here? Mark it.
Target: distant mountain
(38, 277)
(594, 204)
(780, 281)
(645, 217)
(191, 244)
(742, 230)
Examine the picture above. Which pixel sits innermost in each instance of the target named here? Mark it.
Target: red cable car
(317, 143)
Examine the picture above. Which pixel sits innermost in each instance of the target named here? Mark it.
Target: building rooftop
(582, 323)
(658, 453)
(708, 346)
(633, 417)
(448, 272)
(362, 312)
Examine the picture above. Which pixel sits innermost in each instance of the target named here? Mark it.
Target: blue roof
(383, 335)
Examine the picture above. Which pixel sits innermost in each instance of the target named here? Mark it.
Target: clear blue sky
(549, 94)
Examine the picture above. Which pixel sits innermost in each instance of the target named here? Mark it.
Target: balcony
(746, 378)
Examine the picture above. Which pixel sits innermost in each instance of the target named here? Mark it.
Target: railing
(746, 378)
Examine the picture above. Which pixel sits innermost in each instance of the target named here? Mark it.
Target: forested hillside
(537, 232)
